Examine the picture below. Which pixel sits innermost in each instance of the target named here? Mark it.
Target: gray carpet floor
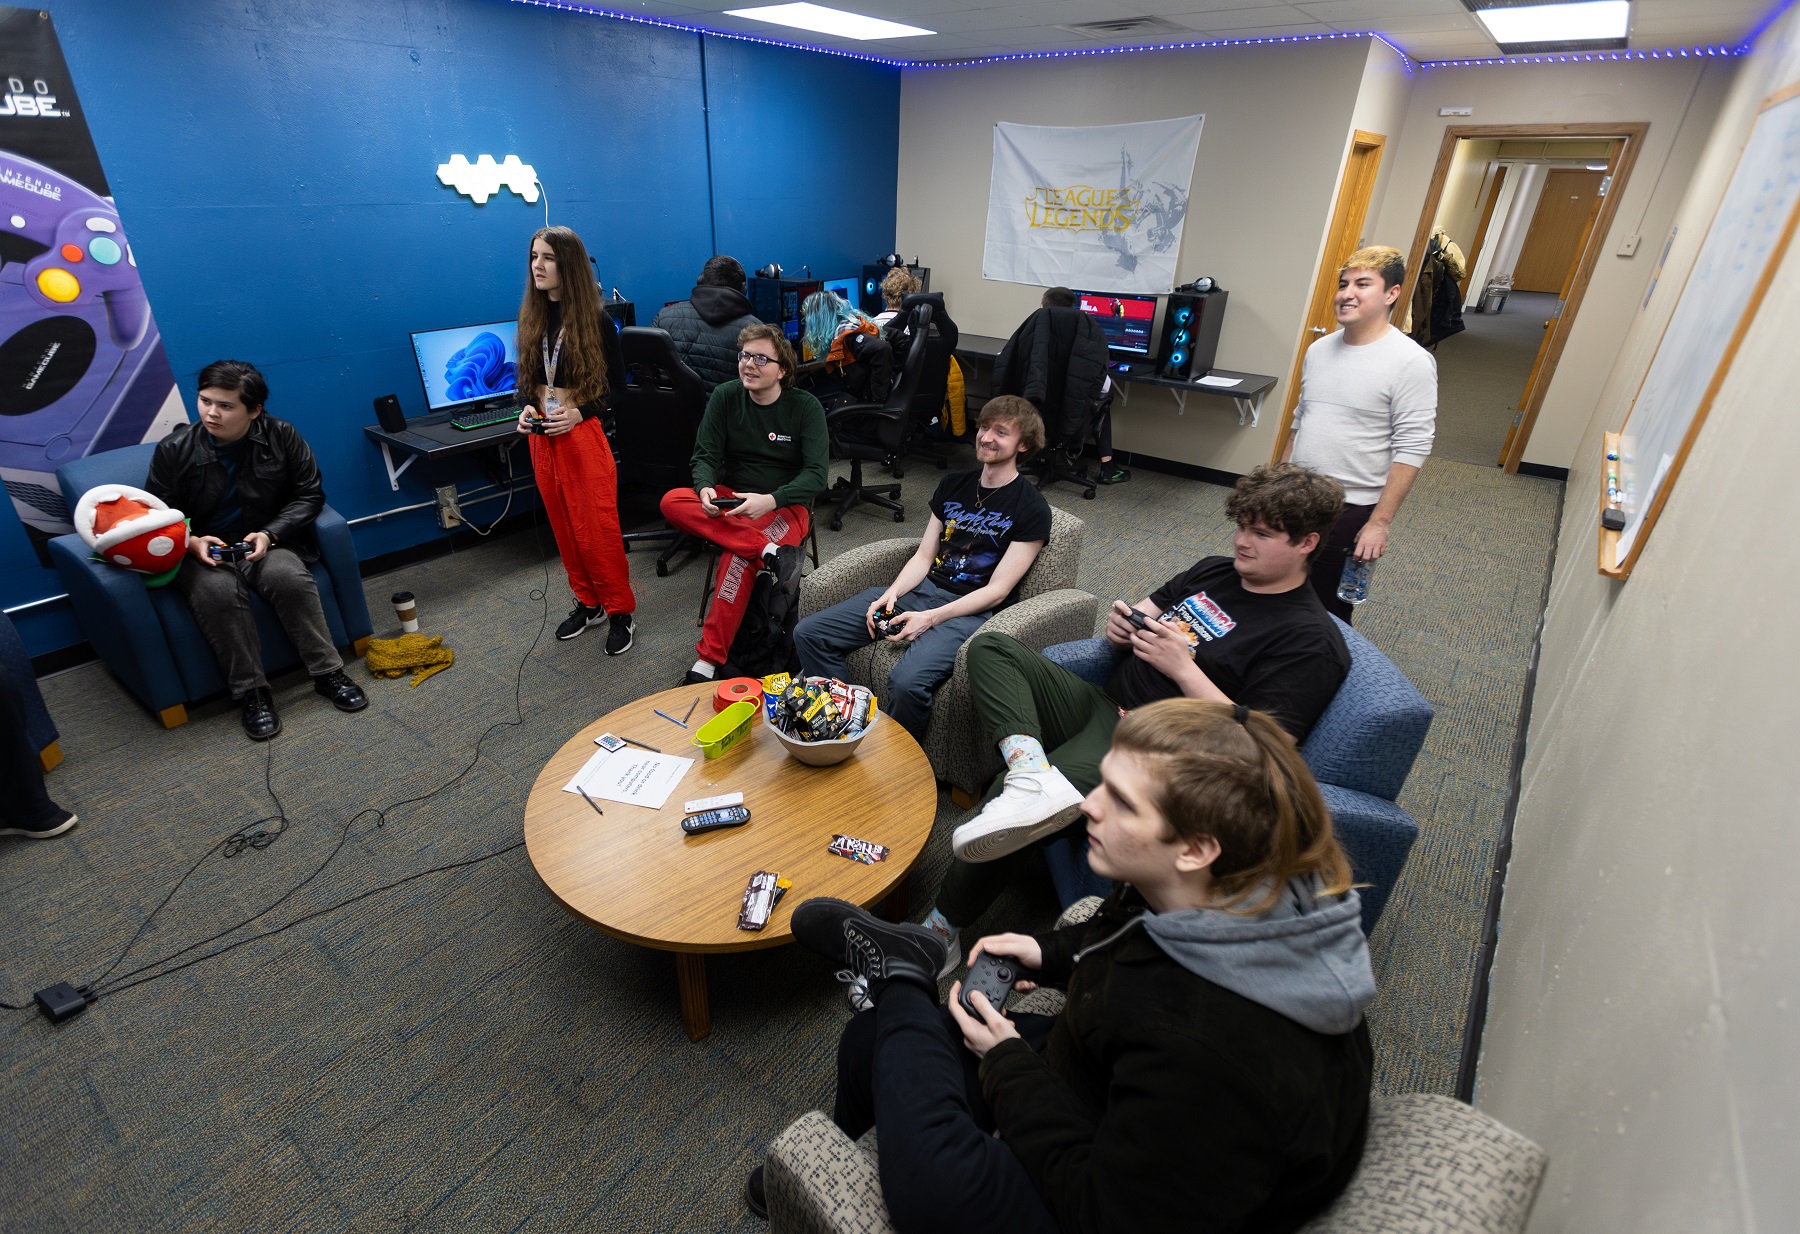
(459, 1052)
(1481, 377)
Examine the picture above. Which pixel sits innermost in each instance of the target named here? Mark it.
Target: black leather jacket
(280, 489)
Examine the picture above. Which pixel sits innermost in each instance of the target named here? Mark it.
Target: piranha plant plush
(128, 527)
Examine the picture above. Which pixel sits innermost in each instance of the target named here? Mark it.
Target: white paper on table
(1218, 381)
(631, 776)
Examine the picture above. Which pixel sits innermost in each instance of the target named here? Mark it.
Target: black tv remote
(993, 975)
(712, 820)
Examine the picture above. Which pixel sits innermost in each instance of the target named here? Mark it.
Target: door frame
(1349, 211)
(1630, 137)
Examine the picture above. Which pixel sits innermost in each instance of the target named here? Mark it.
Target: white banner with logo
(1098, 208)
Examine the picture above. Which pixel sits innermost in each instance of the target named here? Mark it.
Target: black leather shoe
(754, 1198)
(879, 950)
(344, 694)
(260, 720)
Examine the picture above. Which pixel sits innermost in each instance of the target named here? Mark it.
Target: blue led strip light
(596, 11)
(1185, 46)
(1584, 57)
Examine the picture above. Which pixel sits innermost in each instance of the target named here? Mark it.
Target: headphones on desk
(770, 271)
(1198, 287)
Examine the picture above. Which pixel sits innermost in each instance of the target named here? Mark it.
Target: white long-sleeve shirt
(1363, 409)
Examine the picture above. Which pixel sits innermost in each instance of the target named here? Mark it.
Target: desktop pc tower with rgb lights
(1190, 337)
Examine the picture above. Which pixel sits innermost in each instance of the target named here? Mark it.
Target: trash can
(1494, 299)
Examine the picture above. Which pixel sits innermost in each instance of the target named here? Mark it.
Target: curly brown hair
(784, 350)
(1290, 498)
(1018, 412)
(581, 367)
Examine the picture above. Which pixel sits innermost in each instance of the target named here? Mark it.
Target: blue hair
(827, 315)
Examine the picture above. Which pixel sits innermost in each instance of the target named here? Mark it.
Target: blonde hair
(1241, 782)
(1388, 262)
(898, 284)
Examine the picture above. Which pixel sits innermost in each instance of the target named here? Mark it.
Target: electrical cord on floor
(64, 1001)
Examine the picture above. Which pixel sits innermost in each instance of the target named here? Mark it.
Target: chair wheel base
(1089, 494)
(662, 569)
(837, 524)
(899, 516)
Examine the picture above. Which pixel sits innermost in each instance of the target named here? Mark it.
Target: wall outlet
(449, 510)
(1628, 246)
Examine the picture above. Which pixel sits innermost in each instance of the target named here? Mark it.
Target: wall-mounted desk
(1247, 390)
(432, 437)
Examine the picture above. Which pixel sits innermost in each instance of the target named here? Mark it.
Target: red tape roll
(737, 690)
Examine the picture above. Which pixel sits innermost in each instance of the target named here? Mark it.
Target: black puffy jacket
(1057, 360)
(279, 486)
(705, 328)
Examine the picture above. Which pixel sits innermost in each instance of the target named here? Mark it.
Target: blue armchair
(38, 724)
(148, 637)
(1360, 752)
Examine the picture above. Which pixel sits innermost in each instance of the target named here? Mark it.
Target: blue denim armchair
(1360, 751)
(148, 637)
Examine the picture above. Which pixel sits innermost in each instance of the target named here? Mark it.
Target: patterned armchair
(1048, 610)
(1431, 1165)
(1360, 752)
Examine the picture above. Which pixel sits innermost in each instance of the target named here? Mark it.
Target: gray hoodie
(1305, 957)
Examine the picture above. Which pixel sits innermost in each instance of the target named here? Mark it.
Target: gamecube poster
(82, 367)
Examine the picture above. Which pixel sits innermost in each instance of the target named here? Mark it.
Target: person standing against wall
(1367, 414)
(563, 372)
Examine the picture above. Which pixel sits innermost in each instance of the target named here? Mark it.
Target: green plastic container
(726, 729)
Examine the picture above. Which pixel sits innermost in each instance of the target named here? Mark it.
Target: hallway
(1481, 377)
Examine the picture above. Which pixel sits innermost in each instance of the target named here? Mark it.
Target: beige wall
(1643, 1021)
(1654, 92)
(1277, 129)
(1459, 209)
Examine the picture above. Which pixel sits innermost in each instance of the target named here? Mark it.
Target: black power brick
(62, 1001)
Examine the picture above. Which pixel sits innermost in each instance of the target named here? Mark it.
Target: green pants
(1018, 692)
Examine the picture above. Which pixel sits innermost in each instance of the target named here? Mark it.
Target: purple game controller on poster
(76, 336)
(86, 256)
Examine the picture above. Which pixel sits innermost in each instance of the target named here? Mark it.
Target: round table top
(636, 875)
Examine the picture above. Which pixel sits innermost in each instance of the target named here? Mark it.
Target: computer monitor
(845, 289)
(1126, 320)
(468, 366)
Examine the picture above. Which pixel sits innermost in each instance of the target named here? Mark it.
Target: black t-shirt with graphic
(979, 524)
(1280, 653)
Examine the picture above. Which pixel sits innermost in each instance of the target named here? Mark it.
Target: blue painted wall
(276, 163)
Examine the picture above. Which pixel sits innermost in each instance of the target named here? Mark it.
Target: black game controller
(231, 552)
(884, 620)
(993, 975)
(537, 424)
(727, 503)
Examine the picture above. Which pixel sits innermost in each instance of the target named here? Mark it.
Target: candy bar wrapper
(760, 897)
(776, 684)
(866, 851)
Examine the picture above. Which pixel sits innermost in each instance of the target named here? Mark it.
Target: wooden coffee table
(635, 875)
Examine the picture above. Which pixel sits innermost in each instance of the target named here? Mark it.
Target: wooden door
(1481, 231)
(1557, 227)
(1341, 240)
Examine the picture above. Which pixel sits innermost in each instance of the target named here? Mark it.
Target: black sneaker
(788, 560)
(259, 718)
(754, 1197)
(63, 820)
(879, 950)
(579, 619)
(344, 694)
(618, 639)
(1110, 474)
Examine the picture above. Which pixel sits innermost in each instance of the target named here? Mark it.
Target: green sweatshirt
(781, 449)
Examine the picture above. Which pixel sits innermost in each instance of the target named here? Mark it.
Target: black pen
(690, 711)
(589, 800)
(640, 745)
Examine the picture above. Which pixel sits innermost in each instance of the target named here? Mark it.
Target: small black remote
(993, 975)
(712, 820)
(1138, 619)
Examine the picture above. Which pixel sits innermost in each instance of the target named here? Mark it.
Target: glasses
(754, 358)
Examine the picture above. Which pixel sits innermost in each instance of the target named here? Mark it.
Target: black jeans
(220, 599)
(903, 1069)
(24, 804)
(1328, 566)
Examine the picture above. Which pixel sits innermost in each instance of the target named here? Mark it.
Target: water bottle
(1353, 583)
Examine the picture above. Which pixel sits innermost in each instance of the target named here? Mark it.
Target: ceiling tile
(1379, 13)
(1237, 22)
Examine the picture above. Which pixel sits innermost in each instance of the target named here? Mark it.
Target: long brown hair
(1243, 784)
(581, 369)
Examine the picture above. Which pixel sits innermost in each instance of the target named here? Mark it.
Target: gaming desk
(1248, 393)
(633, 874)
(432, 437)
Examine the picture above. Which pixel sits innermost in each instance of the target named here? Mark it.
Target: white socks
(704, 669)
(1023, 754)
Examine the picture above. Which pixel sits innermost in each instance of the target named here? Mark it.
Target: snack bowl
(825, 753)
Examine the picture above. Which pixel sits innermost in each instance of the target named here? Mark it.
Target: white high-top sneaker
(1031, 804)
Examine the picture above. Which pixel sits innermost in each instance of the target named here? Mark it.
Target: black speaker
(1190, 335)
(387, 410)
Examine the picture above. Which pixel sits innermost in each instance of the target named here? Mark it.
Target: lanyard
(551, 359)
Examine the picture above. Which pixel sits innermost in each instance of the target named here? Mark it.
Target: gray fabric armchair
(1048, 610)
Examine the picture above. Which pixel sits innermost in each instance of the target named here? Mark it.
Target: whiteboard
(1738, 254)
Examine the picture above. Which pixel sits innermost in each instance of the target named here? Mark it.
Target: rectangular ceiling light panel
(821, 20)
(1546, 26)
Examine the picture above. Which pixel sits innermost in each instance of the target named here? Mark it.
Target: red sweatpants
(743, 540)
(580, 487)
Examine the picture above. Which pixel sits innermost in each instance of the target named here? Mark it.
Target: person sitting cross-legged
(987, 526)
(1210, 1067)
(1241, 629)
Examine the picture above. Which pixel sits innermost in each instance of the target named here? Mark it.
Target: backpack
(765, 642)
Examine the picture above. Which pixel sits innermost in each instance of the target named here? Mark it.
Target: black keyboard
(482, 419)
